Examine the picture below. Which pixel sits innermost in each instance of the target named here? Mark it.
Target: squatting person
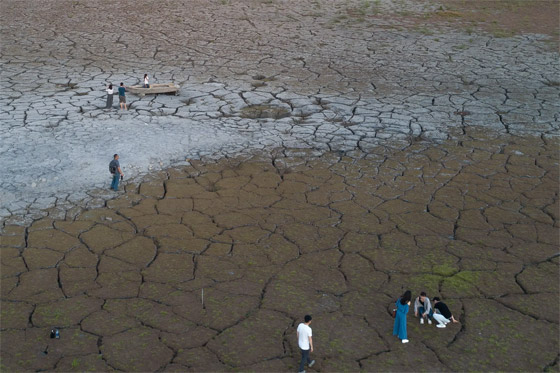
(423, 308)
(443, 315)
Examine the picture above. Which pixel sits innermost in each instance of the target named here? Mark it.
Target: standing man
(115, 169)
(305, 342)
(444, 316)
(122, 97)
(423, 308)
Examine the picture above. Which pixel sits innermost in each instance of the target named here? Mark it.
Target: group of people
(422, 309)
(122, 96)
(122, 93)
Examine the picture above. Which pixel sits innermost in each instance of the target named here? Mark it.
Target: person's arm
(416, 307)
(120, 172)
(311, 343)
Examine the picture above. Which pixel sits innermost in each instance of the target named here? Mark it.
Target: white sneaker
(440, 325)
(405, 341)
(421, 321)
(430, 321)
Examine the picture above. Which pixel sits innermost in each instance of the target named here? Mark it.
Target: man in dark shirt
(115, 169)
(122, 97)
(443, 315)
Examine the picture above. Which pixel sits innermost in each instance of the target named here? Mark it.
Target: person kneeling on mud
(423, 308)
(442, 314)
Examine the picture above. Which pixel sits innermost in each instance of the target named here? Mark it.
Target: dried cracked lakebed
(269, 239)
(341, 152)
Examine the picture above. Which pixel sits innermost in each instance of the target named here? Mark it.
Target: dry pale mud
(337, 157)
(255, 75)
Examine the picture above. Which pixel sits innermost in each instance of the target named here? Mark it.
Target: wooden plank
(154, 89)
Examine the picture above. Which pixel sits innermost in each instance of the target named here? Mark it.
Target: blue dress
(400, 320)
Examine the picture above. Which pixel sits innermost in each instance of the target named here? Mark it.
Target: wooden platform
(154, 89)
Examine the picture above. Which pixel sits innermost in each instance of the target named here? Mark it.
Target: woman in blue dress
(400, 318)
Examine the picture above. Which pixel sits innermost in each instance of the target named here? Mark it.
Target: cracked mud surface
(268, 239)
(255, 75)
(338, 153)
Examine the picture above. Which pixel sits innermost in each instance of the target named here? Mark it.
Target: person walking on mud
(146, 82)
(305, 343)
(115, 169)
(122, 97)
(109, 96)
(403, 303)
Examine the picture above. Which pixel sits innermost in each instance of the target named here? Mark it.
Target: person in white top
(146, 81)
(109, 96)
(305, 343)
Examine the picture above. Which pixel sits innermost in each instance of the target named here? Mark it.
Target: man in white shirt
(305, 342)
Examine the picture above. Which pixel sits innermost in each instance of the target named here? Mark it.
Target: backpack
(112, 167)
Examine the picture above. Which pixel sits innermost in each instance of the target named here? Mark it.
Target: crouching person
(442, 314)
(423, 308)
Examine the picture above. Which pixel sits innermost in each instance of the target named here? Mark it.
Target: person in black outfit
(443, 315)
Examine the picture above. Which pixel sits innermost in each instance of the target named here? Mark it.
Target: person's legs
(309, 361)
(420, 313)
(440, 319)
(304, 359)
(402, 328)
(115, 183)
